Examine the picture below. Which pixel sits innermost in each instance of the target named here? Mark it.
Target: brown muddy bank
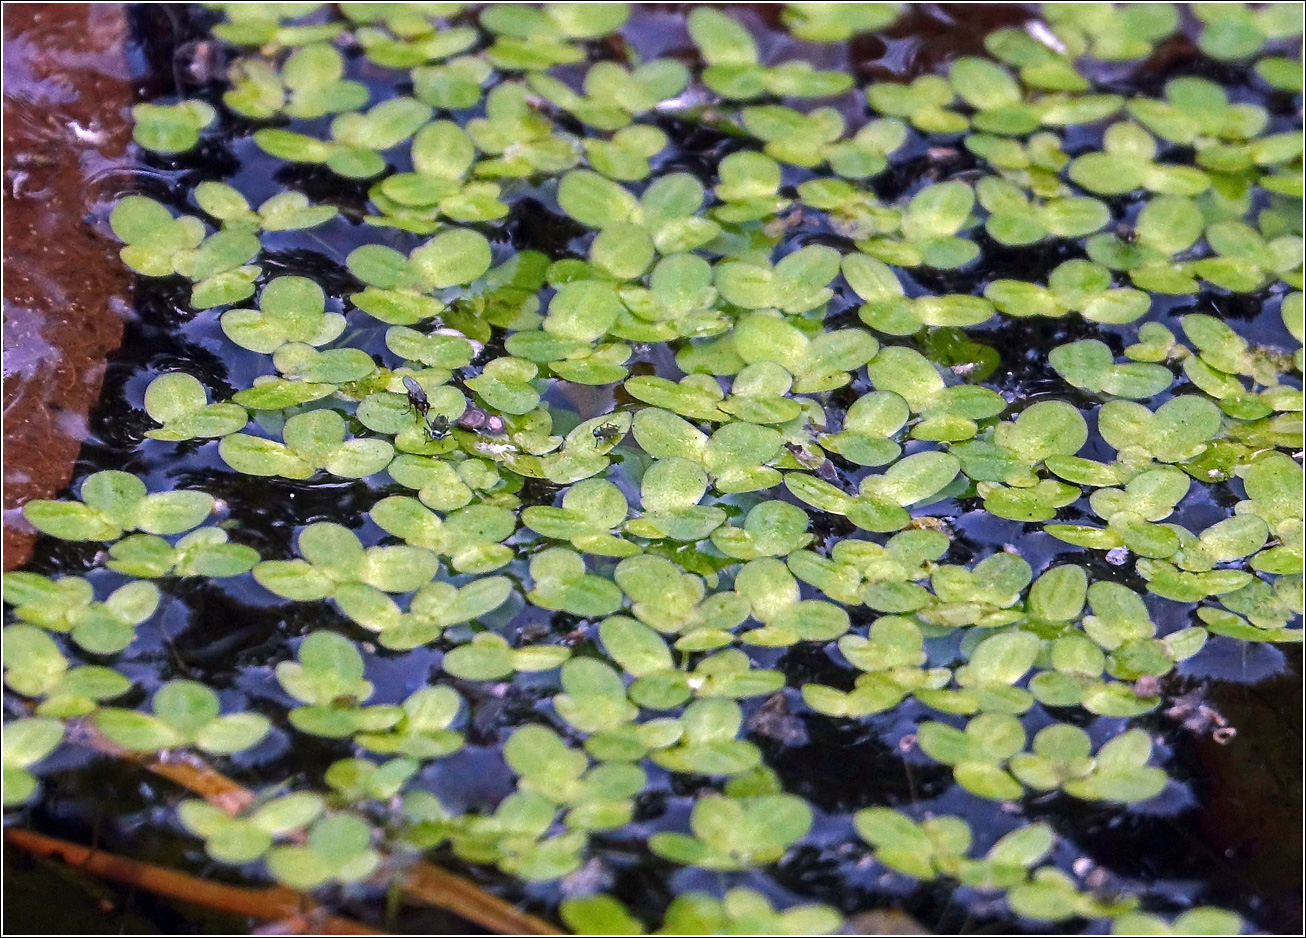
(67, 110)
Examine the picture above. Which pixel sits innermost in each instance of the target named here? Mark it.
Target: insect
(806, 458)
(607, 432)
(438, 427)
(927, 523)
(535, 631)
(417, 399)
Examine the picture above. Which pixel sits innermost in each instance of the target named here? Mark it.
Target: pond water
(1220, 704)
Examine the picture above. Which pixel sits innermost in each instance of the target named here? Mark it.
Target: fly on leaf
(438, 427)
(417, 399)
(607, 432)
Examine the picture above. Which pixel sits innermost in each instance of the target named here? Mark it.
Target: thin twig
(269, 903)
(435, 886)
(424, 881)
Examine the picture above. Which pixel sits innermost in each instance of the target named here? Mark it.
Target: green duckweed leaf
(113, 502)
(185, 713)
(171, 128)
(313, 441)
(26, 742)
(179, 402)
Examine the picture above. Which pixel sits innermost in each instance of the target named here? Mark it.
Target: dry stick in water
(424, 881)
(270, 903)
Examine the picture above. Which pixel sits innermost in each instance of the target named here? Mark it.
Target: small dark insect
(417, 399)
(574, 637)
(438, 427)
(534, 631)
(806, 458)
(607, 432)
(1127, 234)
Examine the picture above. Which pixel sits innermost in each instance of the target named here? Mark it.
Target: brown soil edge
(67, 99)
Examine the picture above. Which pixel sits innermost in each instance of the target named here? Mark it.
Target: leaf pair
(113, 502)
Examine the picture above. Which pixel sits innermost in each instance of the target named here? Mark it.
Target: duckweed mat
(691, 469)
